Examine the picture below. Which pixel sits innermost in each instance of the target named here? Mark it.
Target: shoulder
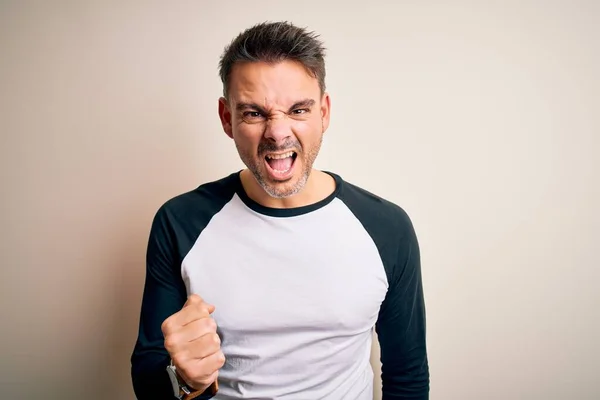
(374, 211)
(388, 225)
(203, 202)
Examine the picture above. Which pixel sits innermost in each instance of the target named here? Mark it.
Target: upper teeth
(280, 156)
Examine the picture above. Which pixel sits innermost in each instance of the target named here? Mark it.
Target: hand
(193, 344)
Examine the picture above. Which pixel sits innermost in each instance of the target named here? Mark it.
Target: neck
(318, 186)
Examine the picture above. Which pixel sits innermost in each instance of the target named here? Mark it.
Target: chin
(281, 189)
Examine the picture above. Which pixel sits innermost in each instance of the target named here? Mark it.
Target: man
(268, 283)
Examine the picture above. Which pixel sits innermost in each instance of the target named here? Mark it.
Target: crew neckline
(286, 212)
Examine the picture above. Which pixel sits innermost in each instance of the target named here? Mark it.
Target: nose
(278, 129)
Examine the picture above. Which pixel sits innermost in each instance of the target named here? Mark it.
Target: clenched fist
(193, 344)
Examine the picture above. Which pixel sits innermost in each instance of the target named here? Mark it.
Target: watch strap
(183, 391)
(187, 393)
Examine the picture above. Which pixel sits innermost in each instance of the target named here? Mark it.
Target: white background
(480, 119)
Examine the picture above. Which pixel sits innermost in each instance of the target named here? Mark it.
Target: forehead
(282, 83)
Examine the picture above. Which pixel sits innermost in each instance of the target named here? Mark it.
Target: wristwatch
(181, 390)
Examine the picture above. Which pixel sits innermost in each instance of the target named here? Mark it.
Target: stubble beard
(283, 189)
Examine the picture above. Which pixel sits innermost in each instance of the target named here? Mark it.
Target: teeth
(280, 156)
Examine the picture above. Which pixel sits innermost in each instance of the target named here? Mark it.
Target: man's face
(277, 116)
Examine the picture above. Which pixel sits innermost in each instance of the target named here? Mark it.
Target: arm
(401, 326)
(164, 295)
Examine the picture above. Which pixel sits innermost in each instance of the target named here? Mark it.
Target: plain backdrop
(480, 119)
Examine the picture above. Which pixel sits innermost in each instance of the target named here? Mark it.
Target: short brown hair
(274, 42)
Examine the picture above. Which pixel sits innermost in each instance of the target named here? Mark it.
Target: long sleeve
(175, 228)
(401, 325)
(164, 294)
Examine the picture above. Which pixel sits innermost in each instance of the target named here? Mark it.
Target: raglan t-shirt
(298, 293)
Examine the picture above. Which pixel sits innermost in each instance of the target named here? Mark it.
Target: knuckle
(170, 342)
(203, 309)
(199, 310)
(166, 326)
(221, 358)
(211, 325)
(204, 326)
(194, 299)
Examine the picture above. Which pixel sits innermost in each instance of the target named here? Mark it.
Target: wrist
(181, 389)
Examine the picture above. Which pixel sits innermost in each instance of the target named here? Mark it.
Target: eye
(300, 111)
(252, 114)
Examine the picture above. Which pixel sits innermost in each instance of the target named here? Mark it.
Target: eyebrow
(306, 103)
(253, 106)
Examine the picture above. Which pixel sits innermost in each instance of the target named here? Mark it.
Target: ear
(325, 110)
(225, 116)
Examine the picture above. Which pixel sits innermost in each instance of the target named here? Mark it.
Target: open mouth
(281, 165)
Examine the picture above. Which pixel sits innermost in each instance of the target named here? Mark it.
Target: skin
(274, 108)
(193, 343)
(271, 108)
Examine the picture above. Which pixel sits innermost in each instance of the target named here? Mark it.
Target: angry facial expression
(276, 114)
